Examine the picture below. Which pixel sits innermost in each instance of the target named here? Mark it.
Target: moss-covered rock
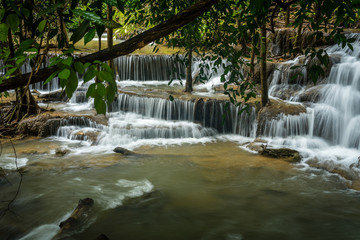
(286, 154)
(44, 125)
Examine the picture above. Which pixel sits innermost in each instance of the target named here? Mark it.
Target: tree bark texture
(110, 36)
(163, 29)
(263, 77)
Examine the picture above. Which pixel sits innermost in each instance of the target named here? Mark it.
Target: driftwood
(77, 218)
(163, 29)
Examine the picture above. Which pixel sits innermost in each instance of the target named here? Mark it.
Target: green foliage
(212, 37)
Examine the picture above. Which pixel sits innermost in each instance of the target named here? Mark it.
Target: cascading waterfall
(334, 119)
(76, 128)
(149, 68)
(209, 113)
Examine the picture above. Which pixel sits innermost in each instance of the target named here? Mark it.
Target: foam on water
(110, 198)
(8, 162)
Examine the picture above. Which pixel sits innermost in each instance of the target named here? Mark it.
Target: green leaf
(10, 71)
(89, 36)
(100, 29)
(90, 16)
(72, 84)
(171, 98)
(100, 90)
(67, 61)
(110, 94)
(25, 12)
(51, 77)
(20, 61)
(24, 46)
(86, 65)
(13, 22)
(105, 76)
(79, 67)
(100, 106)
(64, 74)
(2, 13)
(90, 73)
(3, 32)
(42, 25)
(80, 32)
(91, 90)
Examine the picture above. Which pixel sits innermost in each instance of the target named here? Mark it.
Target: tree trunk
(110, 41)
(163, 29)
(252, 61)
(189, 80)
(263, 75)
(298, 43)
(287, 17)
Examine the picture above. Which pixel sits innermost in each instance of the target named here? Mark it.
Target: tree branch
(163, 29)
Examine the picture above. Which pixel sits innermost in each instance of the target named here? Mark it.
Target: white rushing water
(328, 132)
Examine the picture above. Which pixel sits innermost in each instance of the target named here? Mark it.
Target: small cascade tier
(210, 113)
(149, 68)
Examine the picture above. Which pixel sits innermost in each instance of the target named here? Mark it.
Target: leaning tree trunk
(263, 75)
(189, 80)
(163, 29)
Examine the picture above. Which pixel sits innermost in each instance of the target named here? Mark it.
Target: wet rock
(257, 145)
(78, 216)
(89, 135)
(123, 151)
(44, 125)
(311, 95)
(274, 110)
(40, 125)
(283, 40)
(60, 152)
(270, 67)
(286, 154)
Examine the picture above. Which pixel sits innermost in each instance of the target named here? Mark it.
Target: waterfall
(149, 67)
(211, 113)
(335, 117)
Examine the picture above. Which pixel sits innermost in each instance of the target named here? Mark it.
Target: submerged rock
(78, 216)
(123, 151)
(61, 152)
(286, 154)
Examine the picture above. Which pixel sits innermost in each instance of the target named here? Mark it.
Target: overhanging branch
(163, 29)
